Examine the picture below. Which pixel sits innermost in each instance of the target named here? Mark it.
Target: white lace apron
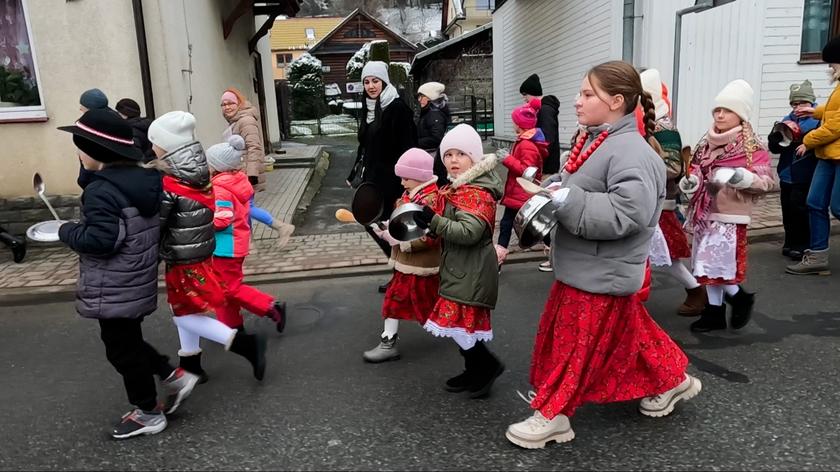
(659, 255)
(714, 254)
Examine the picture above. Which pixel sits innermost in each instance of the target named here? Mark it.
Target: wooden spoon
(530, 187)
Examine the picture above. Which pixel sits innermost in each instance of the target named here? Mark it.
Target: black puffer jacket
(547, 122)
(381, 143)
(117, 241)
(186, 224)
(434, 120)
(140, 127)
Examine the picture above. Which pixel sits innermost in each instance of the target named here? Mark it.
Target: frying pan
(367, 204)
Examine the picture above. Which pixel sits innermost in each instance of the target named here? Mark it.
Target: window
(820, 22)
(360, 32)
(484, 5)
(283, 60)
(310, 34)
(20, 94)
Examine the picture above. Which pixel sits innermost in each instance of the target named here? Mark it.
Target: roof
(425, 55)
(290, 33)
(376, 22)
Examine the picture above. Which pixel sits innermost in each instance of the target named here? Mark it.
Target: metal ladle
(40, 187)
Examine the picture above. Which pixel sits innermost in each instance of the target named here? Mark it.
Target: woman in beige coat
(244, 120)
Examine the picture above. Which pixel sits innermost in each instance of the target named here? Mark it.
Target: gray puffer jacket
(117, 242)
(186, 211)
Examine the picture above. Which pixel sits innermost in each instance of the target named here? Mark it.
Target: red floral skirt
(411, 297)
(674, 235)
(456, 320)
(740, 262)
(193, 288)
(598, 349)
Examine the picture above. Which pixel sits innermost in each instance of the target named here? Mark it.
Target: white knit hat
(652, 84)
(173, 130)
(465, 139)
(432, 90)
(227, 156)
(376, 69)
(736, 96)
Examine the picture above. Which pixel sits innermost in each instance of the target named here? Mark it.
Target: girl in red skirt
(730, 169)
(187, 243)
(596, 343)
(414, 287)
(670, 244)
(469, 276)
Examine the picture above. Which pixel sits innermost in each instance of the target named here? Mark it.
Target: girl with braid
(596, 342)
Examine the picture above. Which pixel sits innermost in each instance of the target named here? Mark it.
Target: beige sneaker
(663, 404)
(284, 231)
(537, 431)
(812, 263)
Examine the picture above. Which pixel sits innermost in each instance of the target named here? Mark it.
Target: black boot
(192, 364)
(742, 305)
(17, 245)
(251, 347)
(462, 381)
(277, 312)
(712, 318)
(487, 369)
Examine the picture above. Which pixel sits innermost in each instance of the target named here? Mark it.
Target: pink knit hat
(415, 164)
(525, 116)
(465, 139)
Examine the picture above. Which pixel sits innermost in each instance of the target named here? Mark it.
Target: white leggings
(391, 327)
(716, 292)
(679, 271)
(191, 328)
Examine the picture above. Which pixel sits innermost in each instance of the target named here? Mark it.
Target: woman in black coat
(434, 121)
(386, 132)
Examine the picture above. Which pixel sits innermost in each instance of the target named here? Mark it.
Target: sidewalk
(54, 269)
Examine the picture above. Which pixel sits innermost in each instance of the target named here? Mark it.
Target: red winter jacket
(529, 150)
(233, 195)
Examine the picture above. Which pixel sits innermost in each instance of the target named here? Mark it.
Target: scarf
(733, 148)
(389, 93)
(203, 196)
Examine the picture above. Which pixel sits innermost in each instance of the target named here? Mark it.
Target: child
(412, 293)
(529, 150)
(670, 234)
(469, 280)
(596, 343)
(824, 195)
(795, 173)
(187, 244)
(730, 169)
(233, 193)
(117, 242)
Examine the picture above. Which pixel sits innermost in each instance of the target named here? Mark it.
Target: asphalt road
(770, 397)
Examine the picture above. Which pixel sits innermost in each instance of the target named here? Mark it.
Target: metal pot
(402, 225)
(534, 221)
(367, 203)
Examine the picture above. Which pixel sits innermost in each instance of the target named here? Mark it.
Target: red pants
(237, 294)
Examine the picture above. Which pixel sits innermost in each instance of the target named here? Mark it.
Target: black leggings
(506, 226)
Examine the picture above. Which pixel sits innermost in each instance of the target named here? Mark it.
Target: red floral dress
(450, 318)
(593, 348)
(674, 235)
(411, 296)
(193, 288)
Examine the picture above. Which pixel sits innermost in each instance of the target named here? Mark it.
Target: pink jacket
(726, 203)
(233, 195)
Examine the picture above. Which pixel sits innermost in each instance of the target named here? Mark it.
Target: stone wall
(18, 214)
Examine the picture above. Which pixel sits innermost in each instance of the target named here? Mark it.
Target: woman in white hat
(433, 123)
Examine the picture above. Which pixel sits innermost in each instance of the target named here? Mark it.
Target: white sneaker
(663, 404)
(178, 386)
(546, 266)
(536, 431)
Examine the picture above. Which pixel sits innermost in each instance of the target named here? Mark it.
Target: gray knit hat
(227, 156)
(803, 92)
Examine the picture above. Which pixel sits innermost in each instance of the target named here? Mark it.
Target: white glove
(559, 196)
(741, 179)
(689, 184)
(381, 230)
(554, 186)
(386, 236)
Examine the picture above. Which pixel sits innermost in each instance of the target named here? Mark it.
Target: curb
(43, 295)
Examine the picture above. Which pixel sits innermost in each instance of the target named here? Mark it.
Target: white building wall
(557, 39)
(272, 117)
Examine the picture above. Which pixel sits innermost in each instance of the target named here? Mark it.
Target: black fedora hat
(111, 136)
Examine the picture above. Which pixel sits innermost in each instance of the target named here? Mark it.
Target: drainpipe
(143, 53)
(699, 6)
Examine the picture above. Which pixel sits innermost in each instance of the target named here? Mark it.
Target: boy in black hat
(117, 241)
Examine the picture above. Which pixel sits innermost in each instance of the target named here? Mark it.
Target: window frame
(815, 57)
(306, 33)
(287, 59)
(33, 113)
(490, 5)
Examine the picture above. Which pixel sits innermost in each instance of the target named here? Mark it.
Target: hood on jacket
(246, 109)
(142, 187)
(140, 123)
(537, 138)
(236, 183)
(483, 174)
(550, 101)
(188, 164)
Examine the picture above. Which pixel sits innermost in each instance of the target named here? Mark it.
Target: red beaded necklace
(576, 159)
